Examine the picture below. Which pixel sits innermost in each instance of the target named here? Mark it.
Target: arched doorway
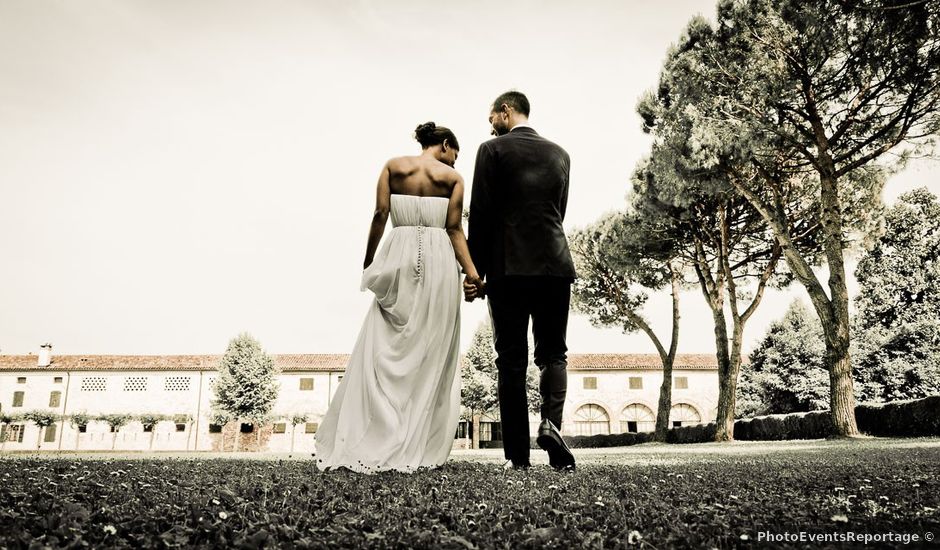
(591, 419)
(683, 414)
(637, 417)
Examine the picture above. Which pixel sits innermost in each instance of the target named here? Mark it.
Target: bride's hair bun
(424, 132)
(429, 134)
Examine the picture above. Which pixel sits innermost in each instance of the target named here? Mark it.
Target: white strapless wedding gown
(398, 403)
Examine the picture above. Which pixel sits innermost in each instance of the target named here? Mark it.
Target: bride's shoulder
(446, 174)
(399, 161)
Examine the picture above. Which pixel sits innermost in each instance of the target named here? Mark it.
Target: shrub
(919, 417)
(41, 418)
(149, 420)
(898, 419)
(698, 433)
(115, 420)
(79, 419)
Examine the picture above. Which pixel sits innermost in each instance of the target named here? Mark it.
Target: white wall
(613, 394)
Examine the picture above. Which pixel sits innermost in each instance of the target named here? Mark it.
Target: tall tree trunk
(836, 320)
(39, 440)
(293, 436)
(238, 436)
(665, 401)
(839, 364)
(153, 431)
(728, 387)
(833, 312)
(475, 431)
(841, 388)
(668, 359)
(713, 289)
(114, 439)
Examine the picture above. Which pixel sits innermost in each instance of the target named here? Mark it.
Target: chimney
(45, 355)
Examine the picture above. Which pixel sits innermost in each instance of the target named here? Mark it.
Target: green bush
(692, 434)
(920, 417)
(613, 440)
(41, 418)
(914, 418)
(150, 419)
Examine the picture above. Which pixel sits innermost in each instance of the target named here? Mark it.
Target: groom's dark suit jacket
(517, 206)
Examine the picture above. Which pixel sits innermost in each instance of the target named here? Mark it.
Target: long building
(607, 393)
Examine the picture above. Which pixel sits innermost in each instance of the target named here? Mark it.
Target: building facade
(607, 393)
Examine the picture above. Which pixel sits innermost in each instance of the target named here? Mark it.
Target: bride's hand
(473, 287)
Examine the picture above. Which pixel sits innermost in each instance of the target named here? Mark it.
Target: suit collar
(523, 130)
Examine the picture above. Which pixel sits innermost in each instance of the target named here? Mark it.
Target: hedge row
(920, 417)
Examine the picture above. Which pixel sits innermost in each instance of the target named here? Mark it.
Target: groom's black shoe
(559, 455)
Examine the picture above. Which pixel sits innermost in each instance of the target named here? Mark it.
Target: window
(18, 398)
(135, 383)
(94, 383)
(306, 384)
(148, 428)
(54, 398)
(247, 428)
(461, 431)
(82, 428)
(57, 379)
(176, 383)
(14, 432)
(591, 419)
(682, 382)
(636, 383)
(339, 378)
(280, 427)
(683, 414)
(50, 434)
(180, 427)
(590, 382)
(311, 428)
(21, 380)
(637, 418)
(215, 428)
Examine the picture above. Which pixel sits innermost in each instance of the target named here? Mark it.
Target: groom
(516, 241)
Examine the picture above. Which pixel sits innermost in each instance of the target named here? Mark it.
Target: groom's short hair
(517, 100)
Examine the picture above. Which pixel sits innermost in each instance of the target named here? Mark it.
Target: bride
(397, 405)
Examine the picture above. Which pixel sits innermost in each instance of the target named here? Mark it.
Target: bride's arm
(379, 217)
(455, 230)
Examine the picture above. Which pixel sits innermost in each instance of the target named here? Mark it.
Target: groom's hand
(473, 288)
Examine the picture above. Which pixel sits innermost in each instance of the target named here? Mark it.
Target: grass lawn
(647, 496)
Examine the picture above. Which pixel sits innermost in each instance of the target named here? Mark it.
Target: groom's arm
(479, 226)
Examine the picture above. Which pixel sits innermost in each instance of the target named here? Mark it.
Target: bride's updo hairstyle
(429, 134)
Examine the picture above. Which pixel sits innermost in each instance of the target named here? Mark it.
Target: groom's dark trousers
(512, 301)
(518, 244)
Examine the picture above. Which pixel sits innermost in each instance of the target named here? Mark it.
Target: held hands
(473, 287)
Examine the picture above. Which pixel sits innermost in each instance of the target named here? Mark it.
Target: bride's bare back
(430, 174)
(421, 176)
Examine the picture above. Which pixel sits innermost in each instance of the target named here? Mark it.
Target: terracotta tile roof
(640, 361)
(319, 362)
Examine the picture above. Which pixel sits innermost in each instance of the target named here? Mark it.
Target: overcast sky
(175, 172)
